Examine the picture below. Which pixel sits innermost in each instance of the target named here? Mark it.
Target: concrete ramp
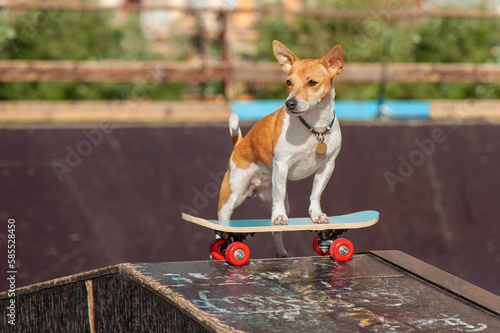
(377, 291)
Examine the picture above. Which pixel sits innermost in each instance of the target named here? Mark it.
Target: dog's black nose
(291, 104)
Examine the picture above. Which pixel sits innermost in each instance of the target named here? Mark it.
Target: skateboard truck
(323, 242)
(229, 246)
(236, 237)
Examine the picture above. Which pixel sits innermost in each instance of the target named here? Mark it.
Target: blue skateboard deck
(349, 221)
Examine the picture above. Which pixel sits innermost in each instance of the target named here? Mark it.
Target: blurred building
(169, 26)
(175, 20)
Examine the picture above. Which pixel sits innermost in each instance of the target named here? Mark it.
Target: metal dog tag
(321, 148)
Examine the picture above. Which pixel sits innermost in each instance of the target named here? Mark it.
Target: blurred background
(113, 121)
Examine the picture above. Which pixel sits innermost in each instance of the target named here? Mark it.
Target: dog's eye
(312, 83)
(288, 82)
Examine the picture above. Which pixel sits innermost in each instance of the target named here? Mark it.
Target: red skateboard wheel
(317, 249)
(341, 249)
(218, 249)
(237, 254)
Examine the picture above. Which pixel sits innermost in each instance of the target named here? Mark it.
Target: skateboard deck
(349, 221)
(229, 246)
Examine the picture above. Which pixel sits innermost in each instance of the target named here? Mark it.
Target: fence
(227, 70)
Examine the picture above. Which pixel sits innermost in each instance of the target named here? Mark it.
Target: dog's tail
(234, 128)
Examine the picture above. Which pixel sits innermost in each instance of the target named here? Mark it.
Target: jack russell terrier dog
(300, 139)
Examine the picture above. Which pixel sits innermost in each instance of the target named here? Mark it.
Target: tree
(52, 35)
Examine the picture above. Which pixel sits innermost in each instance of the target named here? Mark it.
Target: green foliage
(438, 40)
(50, 35)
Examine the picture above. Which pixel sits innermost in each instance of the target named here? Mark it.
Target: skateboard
(229, 246)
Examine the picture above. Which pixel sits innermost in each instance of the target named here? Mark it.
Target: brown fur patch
(258, 145)
(236, 139)
(225, 191)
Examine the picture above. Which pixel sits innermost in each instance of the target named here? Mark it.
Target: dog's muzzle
(291, 104)
(295, 105)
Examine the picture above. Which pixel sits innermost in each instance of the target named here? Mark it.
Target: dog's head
(309, 81)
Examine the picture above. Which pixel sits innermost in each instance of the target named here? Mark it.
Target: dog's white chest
(298, 150)
(305, 161)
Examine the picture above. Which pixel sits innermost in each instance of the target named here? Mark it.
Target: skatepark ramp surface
(84, 198)
(374, 291)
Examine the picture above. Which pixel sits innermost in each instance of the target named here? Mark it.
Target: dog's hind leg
(279, 247)
(229, 200)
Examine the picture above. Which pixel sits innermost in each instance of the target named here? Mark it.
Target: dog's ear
(285, 57)
(334, 60)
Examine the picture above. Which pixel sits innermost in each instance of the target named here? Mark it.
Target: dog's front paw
(280, 219)
(320, 218)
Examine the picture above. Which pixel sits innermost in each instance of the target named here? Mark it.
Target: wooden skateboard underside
(348, 221)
